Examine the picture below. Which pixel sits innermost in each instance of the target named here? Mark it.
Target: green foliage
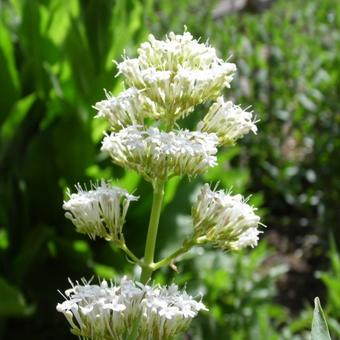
(56, 57)
(331, 280)
(12, 301)
(240, 290)
(295, 91)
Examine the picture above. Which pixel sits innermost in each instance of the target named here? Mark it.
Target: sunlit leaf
(319, 325)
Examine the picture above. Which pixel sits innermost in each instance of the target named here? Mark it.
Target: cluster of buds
(165, 83)
(116, 311)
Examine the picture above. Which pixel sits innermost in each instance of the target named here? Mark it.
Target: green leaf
(319, 324)
(8, 74)
(4, 242)
(17, 115)
(171, 188)
(104, 271)
(12, 303)
(31, 251)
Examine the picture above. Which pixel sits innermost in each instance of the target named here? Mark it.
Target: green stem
(129, 253)
(158, 193)
(169, 125)
(174, 255)
(185, 248)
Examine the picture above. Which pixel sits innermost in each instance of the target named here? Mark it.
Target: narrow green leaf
(9, 79)
(319, 324)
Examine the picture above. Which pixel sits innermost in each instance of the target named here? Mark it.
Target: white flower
(177, 74)
(225, 220)
(158, 154)
(175, 52)
(129, 108)
(228, 121)
(111, 311)
(99, 212)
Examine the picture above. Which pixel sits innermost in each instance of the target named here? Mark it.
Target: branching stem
(129, 253)
(185, 248)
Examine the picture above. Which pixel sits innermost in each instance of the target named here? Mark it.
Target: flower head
(228, 121)
(111, 311)
(177, 74)
(99, 212)
(129, 108)
(225, 220)
(158, 154)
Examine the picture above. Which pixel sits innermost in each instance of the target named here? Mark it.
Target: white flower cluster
(99, 212)
(228, 121)
(158, 154)
(129, 108)
(177, 74)
(225, 220)
(166, 81)
(108, 311)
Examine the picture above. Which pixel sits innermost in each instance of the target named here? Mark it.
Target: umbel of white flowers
(158, 154)
(166, 81)
(225, 220)
(99, 212)
(115, 311)
(228, 121)
(176, 74)
(129, 108)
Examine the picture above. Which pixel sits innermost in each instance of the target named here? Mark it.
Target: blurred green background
(56, 59)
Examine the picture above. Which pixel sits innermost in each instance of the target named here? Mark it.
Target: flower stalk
(180, 251)
(158, 194)
(129, 253)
